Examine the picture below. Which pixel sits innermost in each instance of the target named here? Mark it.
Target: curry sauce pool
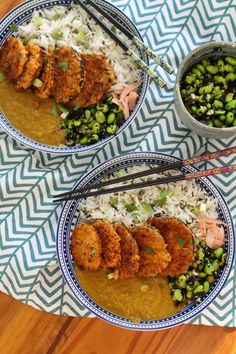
(30, 115)
(134, 298)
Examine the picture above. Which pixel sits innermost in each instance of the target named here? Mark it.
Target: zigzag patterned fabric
(28, 179)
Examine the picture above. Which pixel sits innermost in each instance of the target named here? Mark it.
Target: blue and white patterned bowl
(22, 14)
(70, 217)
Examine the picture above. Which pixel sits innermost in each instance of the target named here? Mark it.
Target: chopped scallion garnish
(14, 27)
(180, 241)
(37, 20)
(81, 36)
(130, 207)
(76, 107)
(147, 208)
(63, 109)
(149, 250)
(54, 111)
(37, 83)
(56, 17)
(57, 35)
(63, 65)
(2, 77)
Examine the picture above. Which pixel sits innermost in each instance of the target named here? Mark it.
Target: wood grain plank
(24, 330)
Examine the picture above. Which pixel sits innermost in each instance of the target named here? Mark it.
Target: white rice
(186, 195)
(72, 21)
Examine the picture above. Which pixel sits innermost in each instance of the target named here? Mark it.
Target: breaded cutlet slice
(46, 76)
(129, 263)
(154, 257)
(68, 74)
(86, 247)
(98, 78)
(110, 242)
(179, 240)
(32, 67)
(13, 57)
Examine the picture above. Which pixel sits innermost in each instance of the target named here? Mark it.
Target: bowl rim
(86, 300)
(27, 7)
(181, 72)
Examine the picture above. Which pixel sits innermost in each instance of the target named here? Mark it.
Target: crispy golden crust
(32, 67)
(86, 247)
(47, 76)
(13, 57)
(110, 241)
(179, 244)
(99, 75)
(69, 74)
(129, 263)
(154, 256)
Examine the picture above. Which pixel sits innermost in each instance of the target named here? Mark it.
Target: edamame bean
(197, 72)
(201, 68)
(111, 118)
(200, 254)
(230, 60)
(190, 79)
(230, 77)
(222, 117)
(229, 118)
(220, 64)
(234, 123)
(198, 289)
(189, 294)
(219, 112)
(210, 123)
(218, 252)
(205, 62)
(217, 123)
(206, 286)
(208, 269)
(178, 295)
(219, 79)
(84, 140)
(194, 109)
(201, 110)
(205, 89)
(218, 104)
(96, 127)
(229, 97)
(100, 117)
(212, 69)
(231, 105)
(216, 264)
(87, 114)
(111, 129)
(229, 68)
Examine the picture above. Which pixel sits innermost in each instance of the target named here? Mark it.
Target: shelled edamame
(208, 90)
(88, 126)
(203, 272)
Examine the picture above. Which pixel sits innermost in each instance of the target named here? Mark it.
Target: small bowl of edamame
(205, 90)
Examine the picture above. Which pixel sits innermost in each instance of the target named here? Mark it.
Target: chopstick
(175, 165)
(182, 177)
(141, 64)
(133, 38)
(145, 173)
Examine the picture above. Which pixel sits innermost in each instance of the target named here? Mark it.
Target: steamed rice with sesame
(185, 200)
(70, 26)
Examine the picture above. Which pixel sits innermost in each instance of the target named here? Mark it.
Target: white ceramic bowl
(22, 14)
(70, 217)
(213, 49)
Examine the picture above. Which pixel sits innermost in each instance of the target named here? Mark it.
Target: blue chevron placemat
(28, 179)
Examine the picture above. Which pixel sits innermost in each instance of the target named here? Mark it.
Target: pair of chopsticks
(135, 40)
(86, 191)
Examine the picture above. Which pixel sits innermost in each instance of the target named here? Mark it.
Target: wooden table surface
(24, 330)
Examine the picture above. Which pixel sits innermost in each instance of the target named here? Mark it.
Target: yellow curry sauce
(125, 297)
(31, 115)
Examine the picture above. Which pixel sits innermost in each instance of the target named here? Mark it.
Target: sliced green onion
(130, 207)
(149, 250)
(57, 35)
(63, 65)
(37, 83)
(144, 288)
(196, 210)
(113, 28)
(76, 107)
(63, 109)
(180, 241)
(81, 36)
(147, 208)
(14, 27)
(54, 111)
(114, 201)
(93, 250)
(160, 202)
(166, 193)
(2, 77)
(56, 17)
(37, 20)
